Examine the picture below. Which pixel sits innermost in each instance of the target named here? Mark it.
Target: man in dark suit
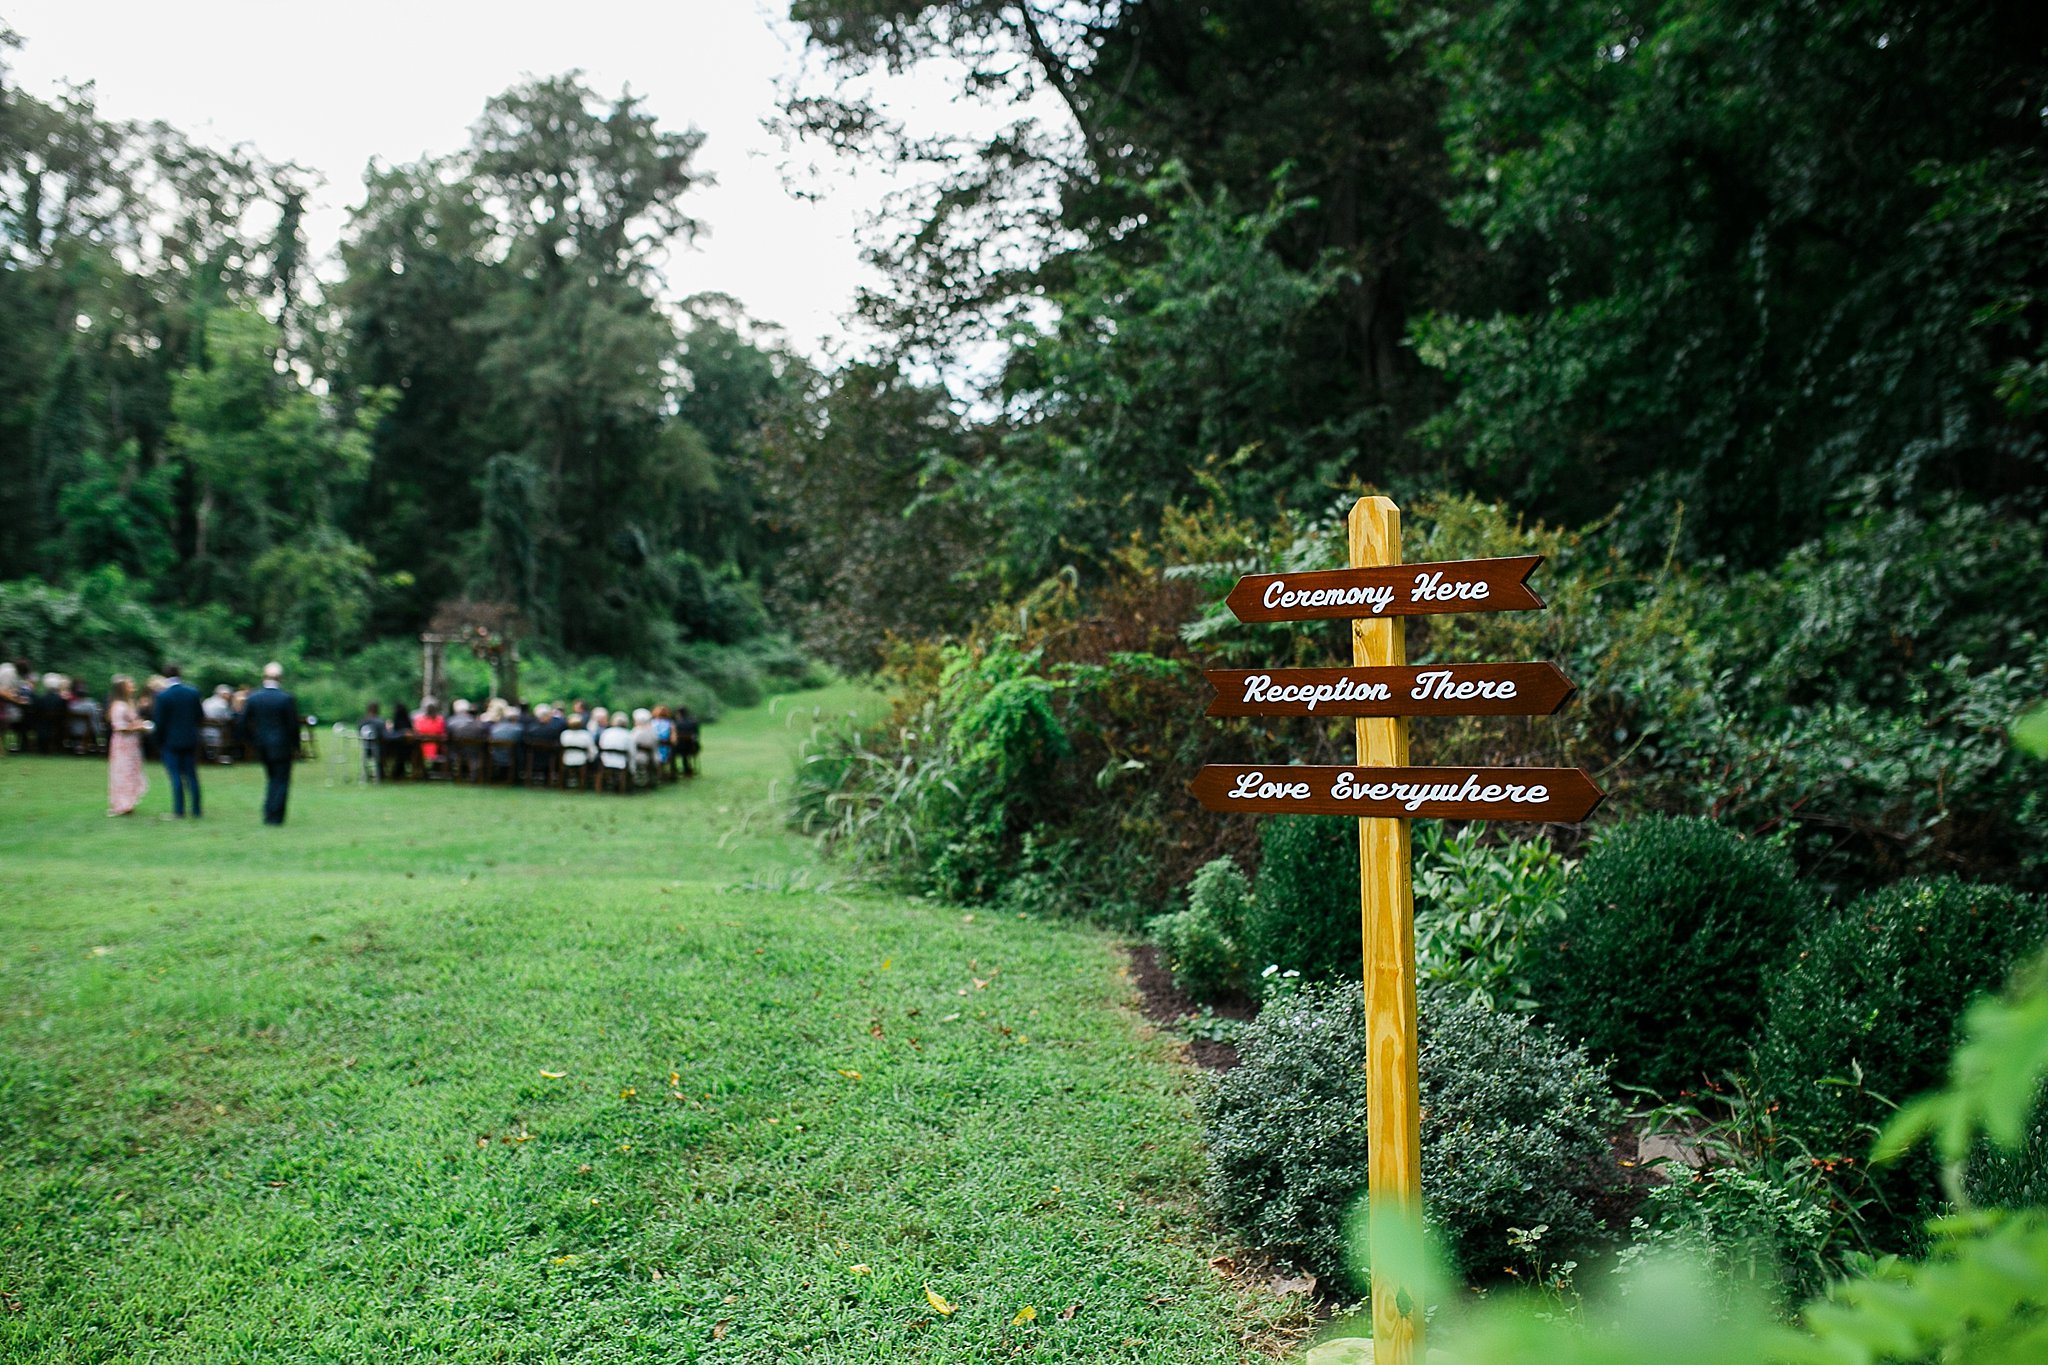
(541, 741)
(177, 718)
(270, 720)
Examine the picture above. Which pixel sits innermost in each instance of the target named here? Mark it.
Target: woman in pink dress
(125, 782)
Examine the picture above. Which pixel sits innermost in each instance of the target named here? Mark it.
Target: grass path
(463, 1075)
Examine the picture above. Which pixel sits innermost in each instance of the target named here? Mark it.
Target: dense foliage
(1866, 1010)
(1670, 928)
(1514, 1130)
(493, 402)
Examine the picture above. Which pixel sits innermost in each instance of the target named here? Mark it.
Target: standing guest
(178, 715)
(270, 720)
(125, 781)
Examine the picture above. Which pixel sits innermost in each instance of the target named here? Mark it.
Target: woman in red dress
(430, 726)
(125, 782)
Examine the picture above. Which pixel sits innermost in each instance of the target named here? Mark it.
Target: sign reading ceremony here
(1388, 590)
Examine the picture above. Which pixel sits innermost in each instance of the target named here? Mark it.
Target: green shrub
(1476, 905)
(1670, 928)
(1202, 945)
(1514, 1130)
(1304, 914)
(1758, 1237)
(1864, 1013)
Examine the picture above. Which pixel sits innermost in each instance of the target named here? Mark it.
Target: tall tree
(1793, 252)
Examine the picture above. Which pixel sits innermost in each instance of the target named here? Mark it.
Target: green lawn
(489, 1075)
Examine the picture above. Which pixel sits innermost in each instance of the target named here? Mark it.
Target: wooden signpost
(1381, 690)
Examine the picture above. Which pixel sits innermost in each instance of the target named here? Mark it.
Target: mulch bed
(1164, 1005)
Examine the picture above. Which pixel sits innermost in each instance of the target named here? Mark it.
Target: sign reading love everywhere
(1380, 690)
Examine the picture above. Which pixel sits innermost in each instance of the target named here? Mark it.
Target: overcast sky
(331, 86)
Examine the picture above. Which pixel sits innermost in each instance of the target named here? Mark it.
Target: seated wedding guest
(145, 708)
(465, 725)
(373, 731)
(13, 697)
(431, 728)
(645, 742)
(687, 740)
(577, 746)
(664, 735)
(615, 745)
(544, 741)
(399, 747)
(220, 706)
(86, 716)
(239, 706)
(506, 732)
(49, 709)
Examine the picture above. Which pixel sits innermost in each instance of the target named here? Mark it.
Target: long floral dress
(125, 782)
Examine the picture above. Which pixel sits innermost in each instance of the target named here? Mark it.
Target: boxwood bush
(1670, 928)
(1864, 1014)
(1203, 945)
(1304, 914)
(1514, 1130)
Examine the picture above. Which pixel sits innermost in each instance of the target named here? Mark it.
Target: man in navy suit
(270, 719)
(177, 717)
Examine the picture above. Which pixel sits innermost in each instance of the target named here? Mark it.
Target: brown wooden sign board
(1458, 585)
(1558, 795)
(1531, 689)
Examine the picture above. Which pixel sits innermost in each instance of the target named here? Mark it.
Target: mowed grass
(437, 1074)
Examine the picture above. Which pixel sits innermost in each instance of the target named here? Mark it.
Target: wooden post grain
(1387, 903)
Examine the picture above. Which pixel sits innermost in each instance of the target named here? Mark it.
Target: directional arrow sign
(1389, 590)
(1561, 795)
(1536, 689)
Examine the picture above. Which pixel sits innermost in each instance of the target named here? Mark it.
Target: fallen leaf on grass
(562, 1260)
(1223, 1265)
(1025, 1314)
(862, 1269)
(1283, 1285)
(850, 1075)
(675, 1079)
(1067, 1313)
(554, 1075)
(720, 1328)
(939, 1305)
(628, 1093)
